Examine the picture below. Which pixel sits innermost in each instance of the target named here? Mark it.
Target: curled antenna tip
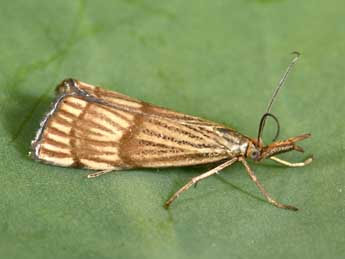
(297, 53)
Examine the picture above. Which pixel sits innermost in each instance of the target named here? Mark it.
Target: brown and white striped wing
(98, 129)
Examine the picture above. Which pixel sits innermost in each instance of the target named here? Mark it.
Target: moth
(90, 127)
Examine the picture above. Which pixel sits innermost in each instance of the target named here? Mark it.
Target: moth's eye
(255, 154)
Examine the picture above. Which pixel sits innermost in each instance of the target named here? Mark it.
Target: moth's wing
(99, 129)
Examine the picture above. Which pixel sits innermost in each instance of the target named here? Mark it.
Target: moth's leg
(199, 178)
(287, 163)
(99, 173)
(262, 189)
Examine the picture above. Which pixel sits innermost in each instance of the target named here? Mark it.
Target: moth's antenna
(261, 126)
(282, 81)
(275, 93)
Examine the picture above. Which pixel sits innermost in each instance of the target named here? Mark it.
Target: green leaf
(216, 59)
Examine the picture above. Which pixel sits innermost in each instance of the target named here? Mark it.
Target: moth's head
(255, 149)
(258, 152)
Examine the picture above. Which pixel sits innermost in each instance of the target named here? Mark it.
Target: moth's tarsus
(291, 164)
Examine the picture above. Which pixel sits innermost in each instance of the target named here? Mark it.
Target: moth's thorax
(235, 142)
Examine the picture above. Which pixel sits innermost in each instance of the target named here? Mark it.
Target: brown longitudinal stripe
(100, 143)
(183, 158)
(45, 151)
(73, 104)
(122, 104)
(121, 100)
(143, 142)
(175, 129)
(113, 111)
(176, 116)
(83, 132)
(177, 141)
(55, 143)
(159, 151)
(191, 130)
(56, 131)
(208, 134)
(90, 124)
(70, 109)
(100, 93)
(94, 165)
(106, 119)
(100, 157)
(61, 120)
(92, 151)
(99, 160)
(67, 114)
(84, 129)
